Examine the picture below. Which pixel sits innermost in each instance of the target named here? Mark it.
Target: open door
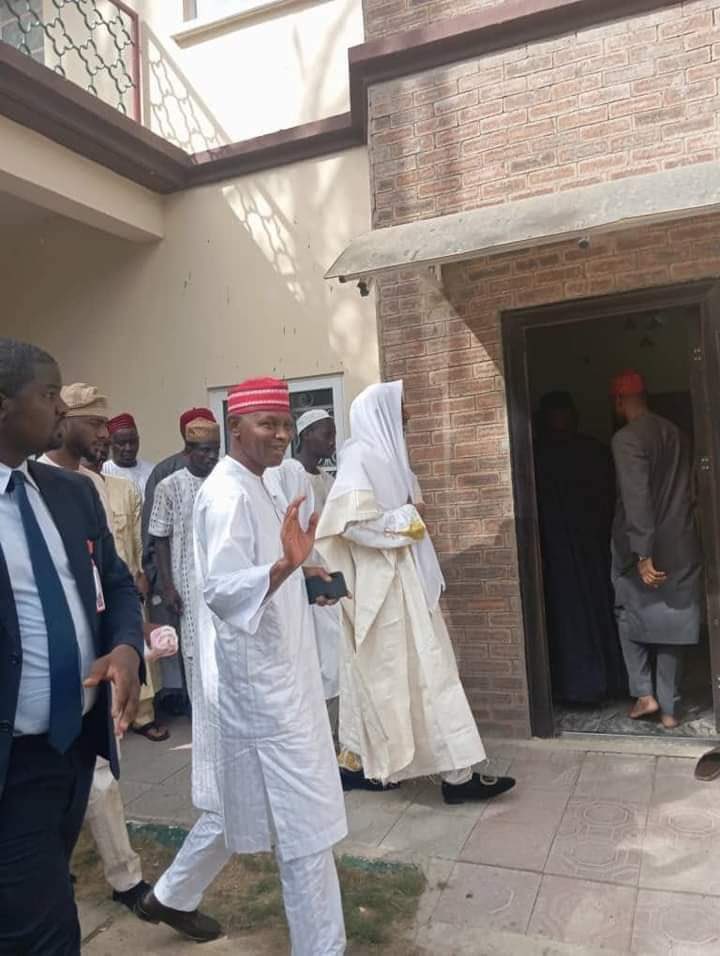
(697, 414)
(705, 389)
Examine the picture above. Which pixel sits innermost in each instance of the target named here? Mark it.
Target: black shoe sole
(351, 782)
(156, 921)
(456, 799)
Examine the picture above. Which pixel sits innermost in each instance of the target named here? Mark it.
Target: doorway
(672, 337)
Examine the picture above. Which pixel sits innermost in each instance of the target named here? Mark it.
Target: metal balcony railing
(94, 43)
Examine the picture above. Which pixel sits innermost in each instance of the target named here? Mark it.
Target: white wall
(235, 289)
(267, 72)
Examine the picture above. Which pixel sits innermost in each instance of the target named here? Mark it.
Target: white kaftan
(172, 517)
(263, 754)
(403, 709)
(295, 482)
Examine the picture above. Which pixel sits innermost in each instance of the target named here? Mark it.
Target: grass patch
(380, 899)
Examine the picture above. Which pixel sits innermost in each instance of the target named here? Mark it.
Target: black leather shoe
(356, 780)
(478, 788)
(196, 925)
(132, 897)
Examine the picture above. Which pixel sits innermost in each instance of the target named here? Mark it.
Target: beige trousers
(106, 819)
(146, 708)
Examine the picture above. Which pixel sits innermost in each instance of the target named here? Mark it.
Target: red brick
(531, 64)
(583, 118)
(460, 101)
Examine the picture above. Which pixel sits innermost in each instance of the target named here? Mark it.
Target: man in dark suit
(70, 625)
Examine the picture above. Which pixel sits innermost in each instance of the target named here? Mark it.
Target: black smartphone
(334, 589)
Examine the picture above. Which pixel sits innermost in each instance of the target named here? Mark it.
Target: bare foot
(669, 722)
(644, 707)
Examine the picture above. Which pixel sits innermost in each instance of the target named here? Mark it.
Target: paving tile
(681, 848)
(488, 897)
(437, 873)
(599, 840)
(146, 762)
(131, 789)
(369, 821)
(675, 783)
(428, 794)
(676, 924)
(616, 777)
(95, 916)
(547, 770)
(449, 939)
(422, 832)
(168, 802)
(575, 911)
(517, 831)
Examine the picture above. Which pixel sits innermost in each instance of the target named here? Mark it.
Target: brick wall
(385, 17)
(631, 97)
(445, 343)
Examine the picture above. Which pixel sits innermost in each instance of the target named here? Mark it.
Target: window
(216, 9)
(325, 392)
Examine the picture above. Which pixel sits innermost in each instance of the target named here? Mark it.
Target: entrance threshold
(647, 745)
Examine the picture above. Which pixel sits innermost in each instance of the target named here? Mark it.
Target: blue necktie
(66, 694)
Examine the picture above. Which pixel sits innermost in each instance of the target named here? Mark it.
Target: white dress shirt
(33, 710)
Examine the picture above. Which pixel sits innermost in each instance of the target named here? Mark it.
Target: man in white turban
(403, 711)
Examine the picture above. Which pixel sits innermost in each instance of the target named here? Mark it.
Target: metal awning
(572, 214)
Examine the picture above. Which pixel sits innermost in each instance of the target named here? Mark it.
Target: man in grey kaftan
(656, 552)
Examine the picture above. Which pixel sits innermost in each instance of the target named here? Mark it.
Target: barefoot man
(656, 552)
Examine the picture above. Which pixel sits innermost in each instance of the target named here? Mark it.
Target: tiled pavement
(604, 852)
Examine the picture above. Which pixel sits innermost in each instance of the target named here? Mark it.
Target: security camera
(584, 242)
(364, 286)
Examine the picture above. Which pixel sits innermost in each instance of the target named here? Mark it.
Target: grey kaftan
(654, 518)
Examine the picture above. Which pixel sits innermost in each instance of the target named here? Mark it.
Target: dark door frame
(705, 387)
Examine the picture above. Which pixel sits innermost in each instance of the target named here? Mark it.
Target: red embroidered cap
(259, 395)
(121, 422)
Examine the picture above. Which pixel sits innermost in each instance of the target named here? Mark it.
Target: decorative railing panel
(94, 43)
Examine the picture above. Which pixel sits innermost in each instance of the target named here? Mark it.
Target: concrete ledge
(573, 214)
(59, 180)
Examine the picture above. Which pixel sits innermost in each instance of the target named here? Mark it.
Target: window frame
(217, 398)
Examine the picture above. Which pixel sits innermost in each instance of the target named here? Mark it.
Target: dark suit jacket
(76, 510)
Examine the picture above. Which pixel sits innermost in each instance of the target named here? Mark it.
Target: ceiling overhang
(572, 214)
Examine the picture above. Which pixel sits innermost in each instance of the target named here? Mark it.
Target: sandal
(708, 766)
(153, 732)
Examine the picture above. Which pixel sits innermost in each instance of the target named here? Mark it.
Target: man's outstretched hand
(296, 543)
(121, 667)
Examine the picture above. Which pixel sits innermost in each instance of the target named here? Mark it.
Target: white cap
(312, 417)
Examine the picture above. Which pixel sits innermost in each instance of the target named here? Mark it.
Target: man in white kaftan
(264, 767)
(403, 711)
(171, 530)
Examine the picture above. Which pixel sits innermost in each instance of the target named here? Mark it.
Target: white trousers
(311, 891)
(106, 818)
(456, 777)
(188, 669)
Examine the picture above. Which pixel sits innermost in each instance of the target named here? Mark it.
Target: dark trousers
(42, 808)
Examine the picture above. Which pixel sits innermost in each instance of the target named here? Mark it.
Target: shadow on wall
(175, 109)
(172, 107)
(235, 288)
